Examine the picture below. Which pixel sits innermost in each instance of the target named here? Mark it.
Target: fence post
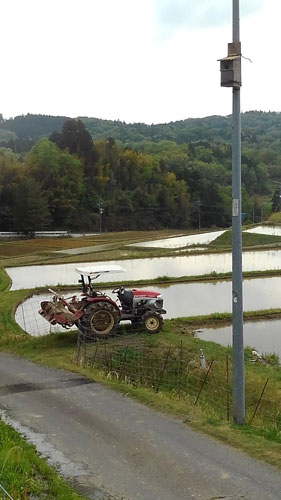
(259, 401)
(204, 381)
(94, 358)
(105, 357)
(123, 363)
(78, 351)
(227, 390)
(179, 369)
(163, 370)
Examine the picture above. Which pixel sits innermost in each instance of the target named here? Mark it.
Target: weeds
(24, 475)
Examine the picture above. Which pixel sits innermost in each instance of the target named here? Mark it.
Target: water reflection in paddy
(181, 241)
(263, 336)
(180, 299)
(188, 265)
(270, 230)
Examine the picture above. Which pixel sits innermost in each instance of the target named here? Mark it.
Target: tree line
(66, 180)
(63, 182)
(259, 129)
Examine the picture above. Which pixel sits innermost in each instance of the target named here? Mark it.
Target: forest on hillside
(259, 128)
(60, 173)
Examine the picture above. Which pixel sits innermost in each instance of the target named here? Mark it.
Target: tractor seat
(126, 298)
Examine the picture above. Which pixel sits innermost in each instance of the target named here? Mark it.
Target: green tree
(10, 172)
(276, 200)
(30, 207)
(76, 139)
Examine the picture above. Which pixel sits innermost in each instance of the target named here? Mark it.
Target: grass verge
(5, 281)
(24, 475)
(248, 240)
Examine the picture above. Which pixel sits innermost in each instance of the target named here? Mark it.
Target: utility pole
(231, 77)
(101, 210)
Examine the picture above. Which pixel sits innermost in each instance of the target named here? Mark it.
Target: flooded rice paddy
(181, 241)
(180, 300)
(263, 336)
(149, 268)
(270, 230)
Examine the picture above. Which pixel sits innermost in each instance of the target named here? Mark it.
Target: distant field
(112, 246)
(18, 248)
(14, 250)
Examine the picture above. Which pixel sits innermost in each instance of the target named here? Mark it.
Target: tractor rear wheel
(152, 322)
(100, 320)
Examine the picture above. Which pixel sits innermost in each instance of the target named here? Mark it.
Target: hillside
(258, 128)
(174, 175)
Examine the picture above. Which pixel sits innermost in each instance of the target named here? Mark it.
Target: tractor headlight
(159, 303)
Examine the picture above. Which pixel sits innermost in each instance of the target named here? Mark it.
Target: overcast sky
(151, 61)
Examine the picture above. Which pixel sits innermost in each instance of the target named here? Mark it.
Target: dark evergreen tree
(276, 200)
(30, 207)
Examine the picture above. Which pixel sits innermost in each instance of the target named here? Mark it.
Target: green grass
(23, 473)
(248, 240)
(275, 218)
(4, 280)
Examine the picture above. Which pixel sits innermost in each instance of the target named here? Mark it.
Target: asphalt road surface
(114, 448)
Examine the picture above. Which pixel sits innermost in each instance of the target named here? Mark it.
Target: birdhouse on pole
(230, 66)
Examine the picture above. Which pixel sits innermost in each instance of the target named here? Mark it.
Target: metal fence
(137, 360)
(184, 375)
(4, 494)
(172, 370)
(39, 234)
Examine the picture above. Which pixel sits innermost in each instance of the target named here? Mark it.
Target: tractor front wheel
(152, 322)
(100, 320)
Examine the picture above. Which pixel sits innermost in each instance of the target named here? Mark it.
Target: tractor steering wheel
(118, 289)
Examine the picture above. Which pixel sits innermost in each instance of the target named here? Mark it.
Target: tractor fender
(90, 300)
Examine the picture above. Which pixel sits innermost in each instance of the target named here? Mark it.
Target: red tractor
(96, 315)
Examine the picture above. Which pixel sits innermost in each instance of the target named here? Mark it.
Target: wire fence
(171, 370)
(176, 371)
(29, 320)
(4, 494)
(184, 375)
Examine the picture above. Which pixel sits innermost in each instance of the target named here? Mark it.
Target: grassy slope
(248, 240)
(275, 218)
(4, 280)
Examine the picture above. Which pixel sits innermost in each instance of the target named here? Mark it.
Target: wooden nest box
(230, 66)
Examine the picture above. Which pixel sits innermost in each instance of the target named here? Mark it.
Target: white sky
(149, 61)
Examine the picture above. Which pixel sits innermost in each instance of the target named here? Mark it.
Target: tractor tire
(152, 322)
(100, 320)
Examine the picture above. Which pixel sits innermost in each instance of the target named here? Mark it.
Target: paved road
(117, 449)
